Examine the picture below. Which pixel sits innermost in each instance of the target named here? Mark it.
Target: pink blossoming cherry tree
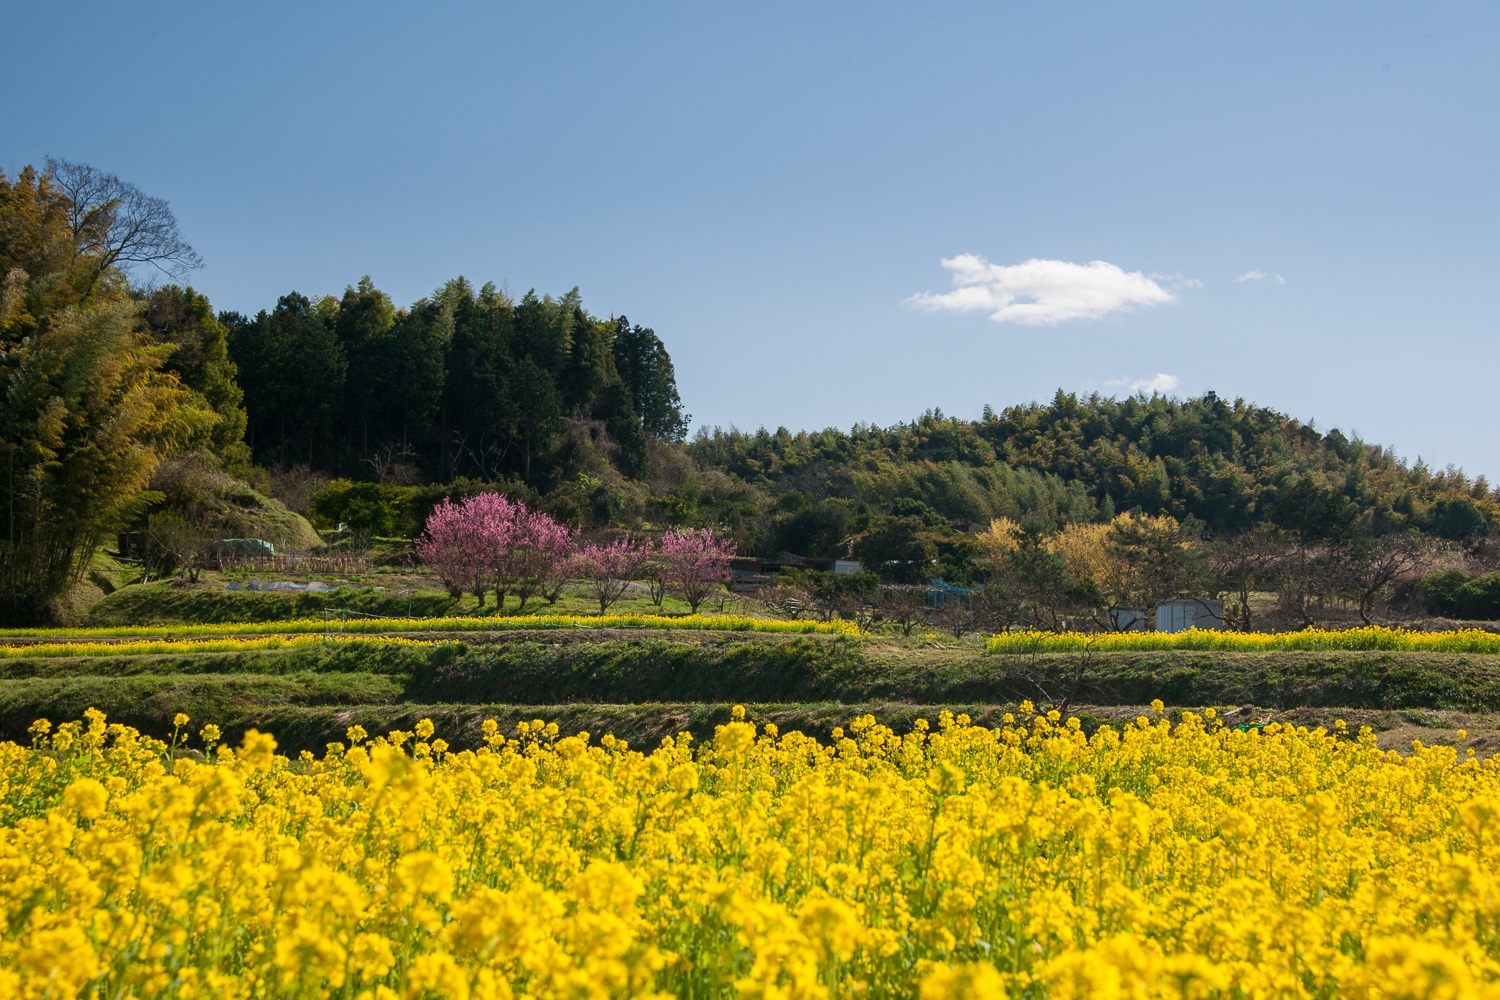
(463, 542)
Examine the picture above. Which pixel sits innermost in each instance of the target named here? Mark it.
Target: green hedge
(1454, 594)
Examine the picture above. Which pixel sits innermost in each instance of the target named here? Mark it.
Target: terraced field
(645, 678)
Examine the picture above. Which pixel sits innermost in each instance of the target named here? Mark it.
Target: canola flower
(1186, 861)
(162, 646)
(495, 623)
(1469, 640)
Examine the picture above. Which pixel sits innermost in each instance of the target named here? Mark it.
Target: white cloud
(1161, 383)
(1043, 292)
(1175, 280)
(1270, 276)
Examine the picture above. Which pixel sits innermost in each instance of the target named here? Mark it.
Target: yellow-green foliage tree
(86, 410)
(998, 541)
(1132, 561)
(183, 319)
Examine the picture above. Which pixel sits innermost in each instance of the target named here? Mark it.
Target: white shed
(1183, 613)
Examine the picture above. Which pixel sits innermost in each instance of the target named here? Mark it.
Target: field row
(232, 644)
(306, 686)
(65, 641)
(1373, 637)
(334, 625)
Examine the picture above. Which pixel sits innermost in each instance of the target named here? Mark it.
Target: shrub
(378, 508)
(1454, 594)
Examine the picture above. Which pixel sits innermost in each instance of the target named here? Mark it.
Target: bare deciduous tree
(1372, 569)
(1240, 566)
(1305, 577)
(118, 225)
(394, 463)
(177, 542)
(986, 609)
(905, 607)
(1057, 681)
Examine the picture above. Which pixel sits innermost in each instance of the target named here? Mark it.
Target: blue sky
(775, 187)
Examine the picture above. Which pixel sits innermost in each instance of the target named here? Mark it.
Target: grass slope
(310, 689)
(169, 604)
(174, 603)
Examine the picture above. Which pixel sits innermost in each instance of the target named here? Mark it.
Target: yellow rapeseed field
(490, 623)
(1468, 640)
(1183, 860)
(232, 644)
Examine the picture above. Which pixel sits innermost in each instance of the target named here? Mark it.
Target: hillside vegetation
(1229, 465)
(361, 416)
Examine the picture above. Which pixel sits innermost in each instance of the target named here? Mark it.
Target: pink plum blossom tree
(489, 541)
(493, 525)
(463, 541)
(654, 572)
(609, 569)
(541, 555)
(694, 563)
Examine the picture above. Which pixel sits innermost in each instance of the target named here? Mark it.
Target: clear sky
(821, 208)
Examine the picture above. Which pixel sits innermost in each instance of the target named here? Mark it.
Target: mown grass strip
(365, 626)
(1375, 637)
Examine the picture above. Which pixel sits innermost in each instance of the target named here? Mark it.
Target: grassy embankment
(649, 685)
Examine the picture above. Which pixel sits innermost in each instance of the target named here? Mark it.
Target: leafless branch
(119, 225)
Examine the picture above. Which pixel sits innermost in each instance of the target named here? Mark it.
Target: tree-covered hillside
(1231, 466)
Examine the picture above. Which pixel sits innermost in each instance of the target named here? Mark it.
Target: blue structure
(939, 592)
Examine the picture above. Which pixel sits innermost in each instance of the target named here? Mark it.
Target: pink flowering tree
(459, 542)
(654, 573)
(540, 556)
(694, 563)
(468, 543)
(609, 569)
(493, 518)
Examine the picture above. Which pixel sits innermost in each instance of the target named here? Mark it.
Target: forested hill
(465, 383)
(1230, 465)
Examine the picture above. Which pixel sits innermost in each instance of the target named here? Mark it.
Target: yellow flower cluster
(232, 644)
(494, 623)
(1185, 861)
(1469, 640)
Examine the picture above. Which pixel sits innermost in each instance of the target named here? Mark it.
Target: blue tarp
(940, 591)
